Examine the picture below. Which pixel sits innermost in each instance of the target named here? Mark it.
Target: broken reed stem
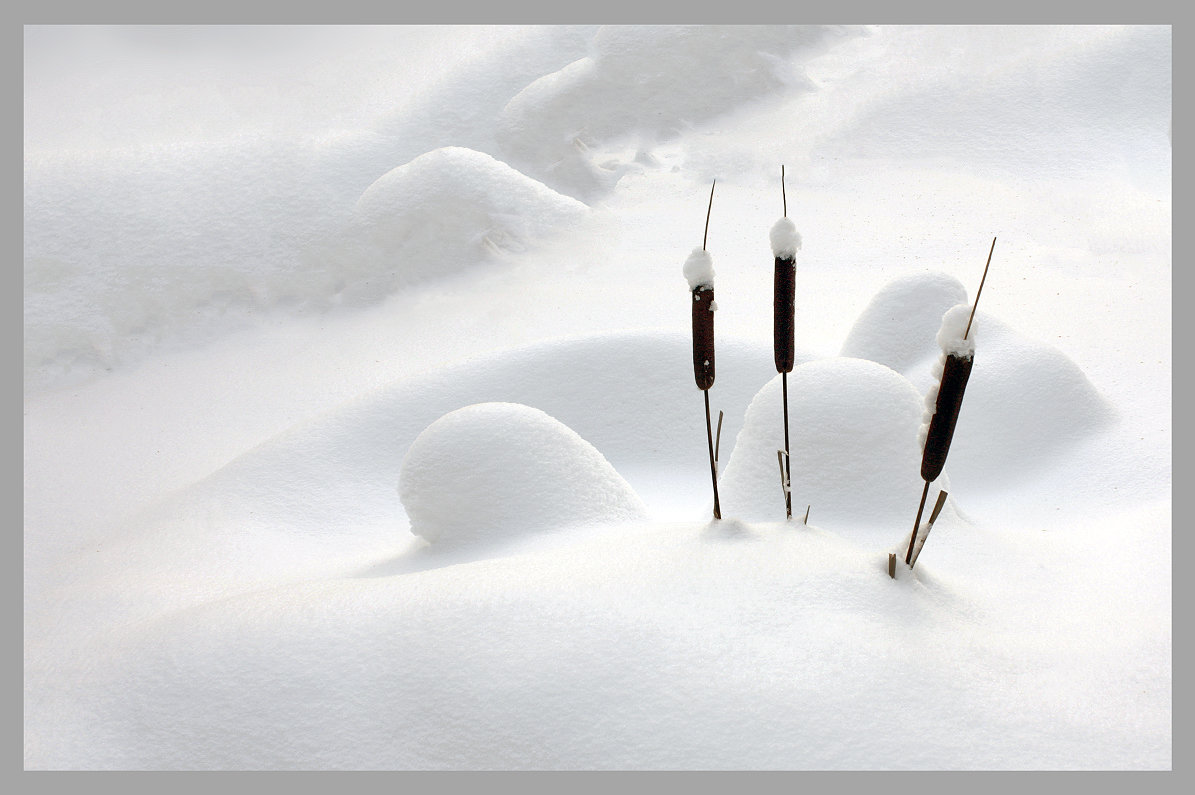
(980, 290)
(933, 517)
(709, 433)
(917, 523)
(788, 469)
(892, 565)
(806, 519)
(707, 216)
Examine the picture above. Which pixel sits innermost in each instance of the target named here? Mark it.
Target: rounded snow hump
(853, 440)
(899, 325)
(450, 208)
(494, 471)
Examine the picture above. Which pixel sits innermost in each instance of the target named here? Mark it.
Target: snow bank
(786, 240)
(853, 440)
(646, 84)
(446, 211)
(494, 471)
(897, 327)
(131, 250)
(332, 478)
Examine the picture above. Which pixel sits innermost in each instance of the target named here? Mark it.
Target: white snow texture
(786, 241)
(359, 429)
(699, 269)
(496, 470)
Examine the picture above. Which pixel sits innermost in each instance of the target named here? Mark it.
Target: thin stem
(980, 290)
(788, 470)
(709, 432)
(707, 216)
(782, 194)
(718, 440)
(916, 524)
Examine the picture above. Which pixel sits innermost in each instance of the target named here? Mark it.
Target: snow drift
(900, 322)
(568, 128)
(493, 471)
(447, 211)
(853, 435)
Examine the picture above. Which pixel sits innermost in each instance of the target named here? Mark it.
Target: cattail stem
(917, 523)
(705, 238)
(709, 432)
(782, 193)
(788, 471)
(718, 441)
(980, 290)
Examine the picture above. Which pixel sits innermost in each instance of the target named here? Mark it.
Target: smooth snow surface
(493, 471)
(359, 420)
(786, 241)
(898, 326)
(851, 422)
(446, 211)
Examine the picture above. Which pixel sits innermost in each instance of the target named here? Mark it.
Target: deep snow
(372, 442)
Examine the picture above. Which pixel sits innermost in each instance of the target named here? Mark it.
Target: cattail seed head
(703, 336)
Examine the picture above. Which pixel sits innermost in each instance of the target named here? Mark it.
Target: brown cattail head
(782, 306)
(956, 370)
(703, 336)
(786, 242)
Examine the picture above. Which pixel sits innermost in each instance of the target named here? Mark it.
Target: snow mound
(898, 326)
(563, 127)
(1026, 404)
(447, 210)
(500, 470)
(853, 439)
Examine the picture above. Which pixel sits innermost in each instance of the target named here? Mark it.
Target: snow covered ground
(360, 428)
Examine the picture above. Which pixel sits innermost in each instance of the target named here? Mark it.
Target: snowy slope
(371, 440)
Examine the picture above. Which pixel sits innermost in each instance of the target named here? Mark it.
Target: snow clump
(956, 335)
(699, 269)
(495, 471)
(786, 240)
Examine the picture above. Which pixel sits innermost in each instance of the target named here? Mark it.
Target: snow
(699, 270)
(956, 335)
(786, 241)
(851, 422)
(898, 325)
(447, 211)
(494, 471)
(359, 428)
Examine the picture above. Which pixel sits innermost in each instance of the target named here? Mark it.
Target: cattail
(958, 356)
(785, 244)
(699, 272)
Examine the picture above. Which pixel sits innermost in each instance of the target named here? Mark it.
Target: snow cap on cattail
(954, 326)
(699, 270)
(786, 241)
